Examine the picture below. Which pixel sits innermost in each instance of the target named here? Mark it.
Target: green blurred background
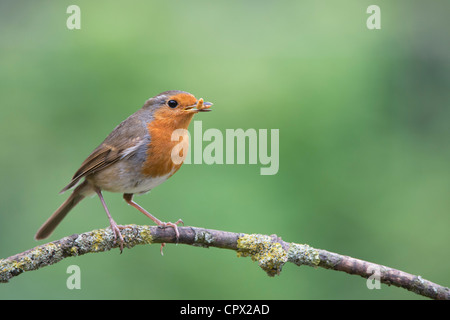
(364, 139)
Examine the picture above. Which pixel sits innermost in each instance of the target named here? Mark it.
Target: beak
(200, 106)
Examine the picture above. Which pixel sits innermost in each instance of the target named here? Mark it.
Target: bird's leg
(128, 197)
(114, 226)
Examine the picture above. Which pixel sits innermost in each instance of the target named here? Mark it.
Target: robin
(133, 159)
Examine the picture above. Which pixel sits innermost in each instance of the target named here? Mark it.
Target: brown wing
(122, 142)
(97, 160)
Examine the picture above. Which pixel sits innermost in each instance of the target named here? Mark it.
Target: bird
(133, 159)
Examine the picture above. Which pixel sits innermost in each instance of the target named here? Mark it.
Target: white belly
(147, 184)
(124, 178)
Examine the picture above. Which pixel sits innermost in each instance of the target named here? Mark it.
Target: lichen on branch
(270, 252)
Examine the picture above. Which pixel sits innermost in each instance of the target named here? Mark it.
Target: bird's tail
(47, 228)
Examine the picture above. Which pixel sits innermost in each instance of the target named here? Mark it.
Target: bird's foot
(173, 225)
(117, 235)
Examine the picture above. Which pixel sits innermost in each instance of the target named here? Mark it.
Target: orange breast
(159, 154)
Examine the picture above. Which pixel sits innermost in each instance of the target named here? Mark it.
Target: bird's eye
(172, 103)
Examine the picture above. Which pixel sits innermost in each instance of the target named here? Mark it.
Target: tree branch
(270, 252)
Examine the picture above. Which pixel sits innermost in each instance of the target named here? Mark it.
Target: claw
(116, 230)
(173, 225)
(129, 199)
